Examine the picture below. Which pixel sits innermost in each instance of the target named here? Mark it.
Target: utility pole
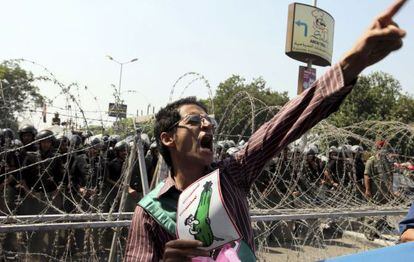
(118, 100)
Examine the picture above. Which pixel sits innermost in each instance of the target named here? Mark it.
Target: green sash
(164, 211)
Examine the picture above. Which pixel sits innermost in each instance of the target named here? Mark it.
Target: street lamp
(115, 236)
(120, 72)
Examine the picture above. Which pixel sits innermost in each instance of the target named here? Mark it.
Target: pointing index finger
(392, 10)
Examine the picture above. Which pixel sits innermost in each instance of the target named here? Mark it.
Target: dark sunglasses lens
(194, 120)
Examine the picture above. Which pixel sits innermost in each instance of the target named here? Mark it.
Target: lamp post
(121, 64)
(112, 253)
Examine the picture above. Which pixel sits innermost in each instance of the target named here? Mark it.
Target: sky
(170, 38)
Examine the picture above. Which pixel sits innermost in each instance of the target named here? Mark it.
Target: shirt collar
(169, 182)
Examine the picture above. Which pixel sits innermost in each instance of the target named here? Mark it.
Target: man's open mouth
(206, 142)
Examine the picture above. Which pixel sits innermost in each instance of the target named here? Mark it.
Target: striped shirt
(147, 239)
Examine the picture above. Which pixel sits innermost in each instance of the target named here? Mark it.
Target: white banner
(202, 216)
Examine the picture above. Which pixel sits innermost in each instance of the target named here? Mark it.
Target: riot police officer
(6, 139)
(94, 169)
(27, 134)
(42, 180)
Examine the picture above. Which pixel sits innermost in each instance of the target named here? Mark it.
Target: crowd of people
(351, 175)
(46, 173)
(374, 175)
(41, 173)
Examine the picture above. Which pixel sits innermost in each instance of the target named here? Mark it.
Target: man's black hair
(166, 118)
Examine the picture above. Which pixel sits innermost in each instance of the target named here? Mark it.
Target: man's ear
(167, 139)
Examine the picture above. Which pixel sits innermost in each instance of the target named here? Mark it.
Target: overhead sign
(306, 78)
(310, 34)
(117, 110)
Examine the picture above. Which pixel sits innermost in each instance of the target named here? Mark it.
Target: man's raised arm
(320, 100)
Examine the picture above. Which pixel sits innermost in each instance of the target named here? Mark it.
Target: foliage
(378, 97)
(125, 127)
(243, 99)
(403, 111)
(18, 93)
(97, 129)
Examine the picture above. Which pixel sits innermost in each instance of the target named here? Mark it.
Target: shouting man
(184, 132)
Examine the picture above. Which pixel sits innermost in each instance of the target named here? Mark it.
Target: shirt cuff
(332, 83)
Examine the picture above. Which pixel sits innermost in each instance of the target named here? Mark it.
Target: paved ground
(350, 243)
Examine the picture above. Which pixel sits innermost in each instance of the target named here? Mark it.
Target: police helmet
(232, 150)
(61, 139)
(219, 146)
(333, 149)
(310, 151)
(28, 129)
(8, 133)
(114, 139)
(45, 134)
(129, 139)
(87, 133)
(231, 143)
(153, 145)
(121, 145)
(93, 141)
(314, 149)
(357, 149)
(75, 141)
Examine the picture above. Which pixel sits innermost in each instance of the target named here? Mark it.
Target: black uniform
(340, 170)
(45, 172)
(115, 169)
(358, 170)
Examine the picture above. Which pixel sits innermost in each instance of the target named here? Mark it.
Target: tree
(126, 127)
(378, 97)
(403, 111)
(236, 103)
(96, 129)
(18, 93)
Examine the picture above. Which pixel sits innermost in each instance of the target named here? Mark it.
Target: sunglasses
(195, 120)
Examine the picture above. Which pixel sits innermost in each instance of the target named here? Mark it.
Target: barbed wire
(304, 205)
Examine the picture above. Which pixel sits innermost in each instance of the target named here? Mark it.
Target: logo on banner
(202, 215)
